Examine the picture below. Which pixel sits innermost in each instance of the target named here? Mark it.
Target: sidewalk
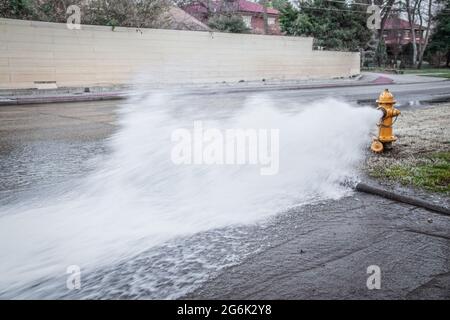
(80, 94)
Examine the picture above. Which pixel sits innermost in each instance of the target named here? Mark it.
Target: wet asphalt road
(323, 251)
(405, 93)
(318, 251)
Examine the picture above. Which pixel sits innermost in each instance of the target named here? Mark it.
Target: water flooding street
(283, 245)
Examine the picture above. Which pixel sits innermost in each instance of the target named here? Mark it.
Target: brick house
(251, 12)
(397, 36)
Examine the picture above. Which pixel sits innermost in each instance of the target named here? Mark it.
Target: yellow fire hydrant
(386, 136)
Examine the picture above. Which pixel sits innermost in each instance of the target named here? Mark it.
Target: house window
(270, 21)
(247, 21)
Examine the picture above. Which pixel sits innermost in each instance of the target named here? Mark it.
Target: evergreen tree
(334, 25)
(440, 40)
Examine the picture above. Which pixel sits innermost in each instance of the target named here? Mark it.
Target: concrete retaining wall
(35, 52)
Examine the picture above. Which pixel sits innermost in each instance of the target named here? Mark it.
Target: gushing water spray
(139, 198)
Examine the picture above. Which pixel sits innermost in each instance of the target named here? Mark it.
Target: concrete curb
(362, 187)
(313, 86)
(115, 95)
(61, 98)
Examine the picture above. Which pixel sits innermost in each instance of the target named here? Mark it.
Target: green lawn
(440, 75)
(426, 72)
(433, 72)
(432, 174)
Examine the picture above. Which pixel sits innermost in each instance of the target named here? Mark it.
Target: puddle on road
(409, 104)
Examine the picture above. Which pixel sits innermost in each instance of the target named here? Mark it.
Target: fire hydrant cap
(386, 97)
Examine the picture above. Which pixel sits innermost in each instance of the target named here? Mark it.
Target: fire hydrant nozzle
(385, 137)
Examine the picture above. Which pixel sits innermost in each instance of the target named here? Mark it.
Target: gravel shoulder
(420, 159)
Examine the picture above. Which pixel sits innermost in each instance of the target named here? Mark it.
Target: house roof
(397, 23)
(242, 6)
(248, 6)
(176, 18)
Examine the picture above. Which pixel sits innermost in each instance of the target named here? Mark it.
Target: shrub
(126, 13)
(225, 23)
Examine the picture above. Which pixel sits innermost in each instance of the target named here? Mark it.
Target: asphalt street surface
(405, 93)
(319, 251)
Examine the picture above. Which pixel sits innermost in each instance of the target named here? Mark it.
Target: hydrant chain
(380, 124)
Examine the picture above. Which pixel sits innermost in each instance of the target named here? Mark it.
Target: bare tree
(420, 12)
(266, 24)
(428, 19)
(205, 9)
(386, 9)
(413, 8)
(127, 13)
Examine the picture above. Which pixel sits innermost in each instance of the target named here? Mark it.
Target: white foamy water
(138, 199)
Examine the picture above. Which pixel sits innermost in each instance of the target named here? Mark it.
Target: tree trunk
(412, 30)
(448, 59)
(388, 7)
(266, 25)
(427, 36)
(384, 17)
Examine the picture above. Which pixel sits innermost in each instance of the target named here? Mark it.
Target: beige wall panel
(95, 55)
